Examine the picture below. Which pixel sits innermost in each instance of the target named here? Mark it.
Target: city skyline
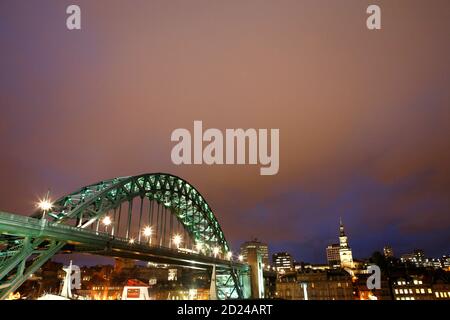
(363, 116)
(97, 260)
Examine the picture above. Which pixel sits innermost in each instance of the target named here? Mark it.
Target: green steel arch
(27, 242)
(90, 203)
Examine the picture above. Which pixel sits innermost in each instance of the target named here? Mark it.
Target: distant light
(131, 241)
(147, 231)
(177, 239)
(45, 205)
(216, 251)
(241, 258)
(229, 255)
(107, 221)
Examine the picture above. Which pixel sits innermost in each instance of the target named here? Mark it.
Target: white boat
(135, 290)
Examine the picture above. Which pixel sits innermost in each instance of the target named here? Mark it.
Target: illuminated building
(345, 252)
(318, 285)
(445, 261)
(420, 288)
(261, 248)
(417, 258)
(388, 252)
(283, 261)
(333, 256)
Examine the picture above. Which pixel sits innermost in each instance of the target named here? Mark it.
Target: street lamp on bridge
(148, 231)
(45, 204)
(106, 222)
(216, 251)
(177, 239)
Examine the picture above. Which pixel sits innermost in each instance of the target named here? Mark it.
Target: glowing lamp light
(177, 240)
(241, 258)
(45, 205)
(148, 231)
(229, 255)
(131, 241)
(107, 221)
(216, 251)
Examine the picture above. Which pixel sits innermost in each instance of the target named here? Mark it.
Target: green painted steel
(27, 242)
(90, 203)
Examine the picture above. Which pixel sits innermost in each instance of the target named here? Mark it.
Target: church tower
(345, 252)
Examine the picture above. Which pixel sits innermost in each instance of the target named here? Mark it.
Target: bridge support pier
(254, 259)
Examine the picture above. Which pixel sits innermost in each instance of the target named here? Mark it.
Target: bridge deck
(82, 240)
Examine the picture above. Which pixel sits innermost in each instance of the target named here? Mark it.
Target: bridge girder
(88, 204)
(32, 242)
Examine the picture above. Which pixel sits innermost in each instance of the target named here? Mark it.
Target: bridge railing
(42, 223)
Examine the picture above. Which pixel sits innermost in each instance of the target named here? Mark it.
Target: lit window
(410, 291)
(396, 291)
(442, 294)
(412, 298)
(422, 290)
(401, 291)
(417, 291)
(437, 294)
(420, 281)
(445, 294)
(429, 290)
(416, 282)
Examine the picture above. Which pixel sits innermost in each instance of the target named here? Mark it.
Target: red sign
(133, 293)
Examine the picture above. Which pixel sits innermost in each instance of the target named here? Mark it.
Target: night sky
(364, 116)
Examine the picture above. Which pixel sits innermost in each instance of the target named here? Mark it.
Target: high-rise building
(388, 252)
(319, 285)
(445, 260)
(417, 258)
(283, 261)
(261, 248)
(420, 287)
(419, 254)
(333, 257)
(345, 252)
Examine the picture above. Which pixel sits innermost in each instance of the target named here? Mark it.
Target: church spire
(341, 228)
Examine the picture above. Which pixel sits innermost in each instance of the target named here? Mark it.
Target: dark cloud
(364, 116)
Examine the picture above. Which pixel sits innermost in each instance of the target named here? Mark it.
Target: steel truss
(23, 253)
